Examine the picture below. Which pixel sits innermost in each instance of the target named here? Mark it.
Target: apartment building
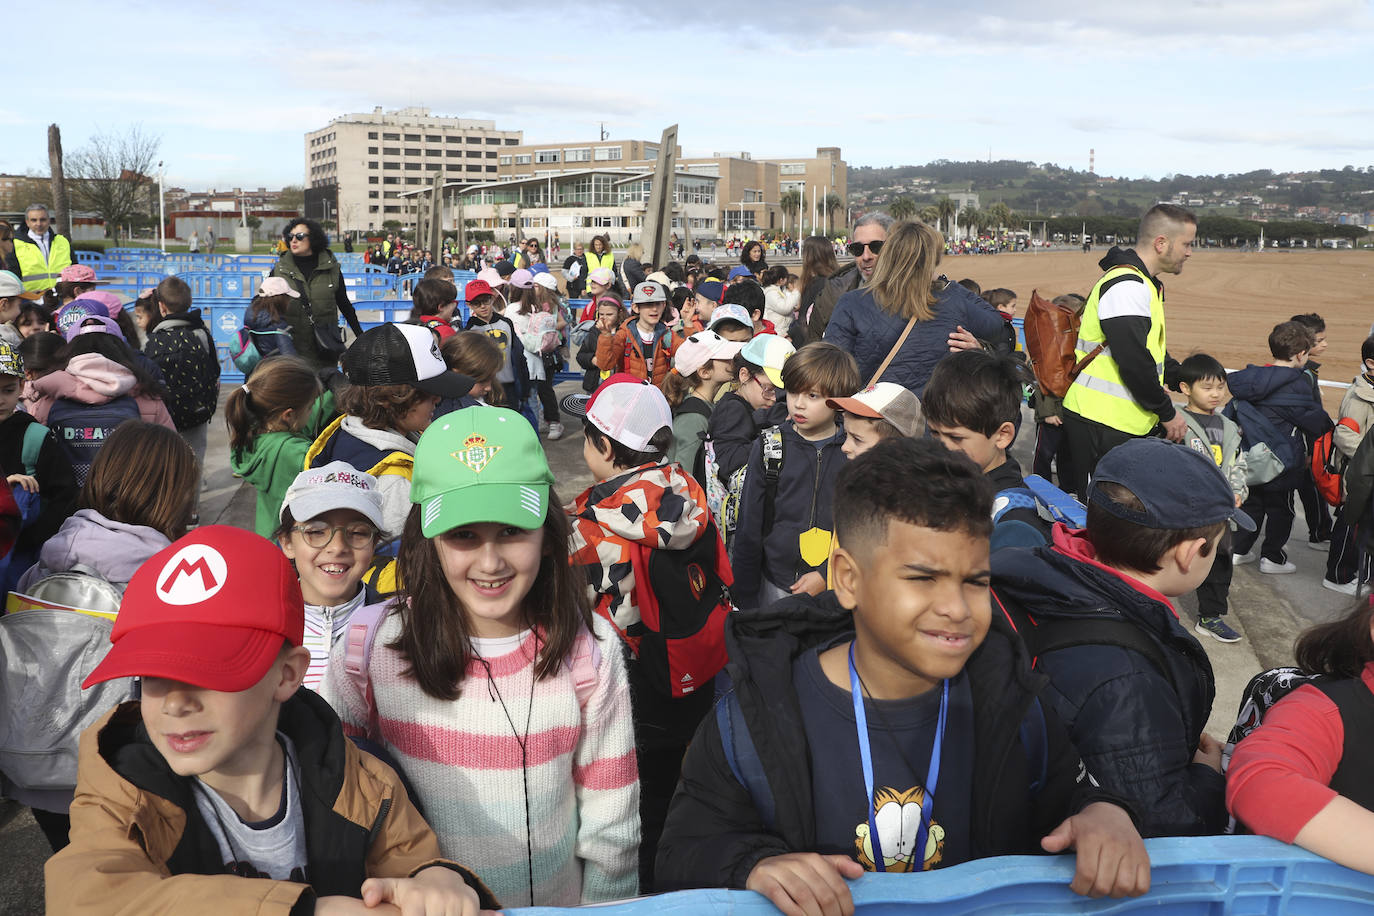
(358, 166)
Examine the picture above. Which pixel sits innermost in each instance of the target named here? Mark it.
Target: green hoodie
(274, 459)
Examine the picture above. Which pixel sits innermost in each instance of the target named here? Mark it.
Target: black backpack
(81, 429)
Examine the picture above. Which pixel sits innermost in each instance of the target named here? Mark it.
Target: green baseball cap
(480, 464)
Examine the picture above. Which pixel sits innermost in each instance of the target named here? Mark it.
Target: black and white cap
(402, 354)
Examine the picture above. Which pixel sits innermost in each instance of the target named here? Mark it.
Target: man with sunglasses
(865, 241)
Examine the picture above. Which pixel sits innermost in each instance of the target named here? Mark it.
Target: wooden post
(436, 217)
(62, 215)
(658, 215)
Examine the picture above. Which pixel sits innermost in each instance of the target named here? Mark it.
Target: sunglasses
(857, 248)
(302, 236)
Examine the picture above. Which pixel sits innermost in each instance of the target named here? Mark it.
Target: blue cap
(1178, 487)
(739, 270)
(712, 289)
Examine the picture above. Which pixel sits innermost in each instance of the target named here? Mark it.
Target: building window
(391, 166)
(581, 154)
(373, 209)
(391, 179)
(433, 138)
(491, 168)
(493, 141)
(434, 166)
(512, 141)
(415, 181)
(373, 195)
(434, 152)
(474, 154)
(391, 209)
(792, 168)
(372, 135)
(412, 151)
(650, 152)
(412, 138)
(547, 155)
(607, 153)
(391, 136)
(522, 158)
(474, 168)
(477, 140)
(371, 179)
(372, 150)
(505, 160)
(391, 151)
(491, 155)
(412, 166)
(372, 164)
(452, 168)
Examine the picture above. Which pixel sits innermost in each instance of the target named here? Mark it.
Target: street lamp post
(161, 210)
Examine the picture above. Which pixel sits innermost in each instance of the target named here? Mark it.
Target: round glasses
(356, 536)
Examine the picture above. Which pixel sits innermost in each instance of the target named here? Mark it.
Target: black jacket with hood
(714, 835)
(1136, 726)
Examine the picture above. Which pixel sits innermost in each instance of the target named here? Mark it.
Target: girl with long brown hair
(490, 681)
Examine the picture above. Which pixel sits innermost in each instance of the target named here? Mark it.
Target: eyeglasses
(302, 236)
(319, 536)
(857, 248)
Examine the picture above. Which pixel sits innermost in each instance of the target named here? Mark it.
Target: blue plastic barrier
(88, 257)
(1063, 507)
(1195, 876)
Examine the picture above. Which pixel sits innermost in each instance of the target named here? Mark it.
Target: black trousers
(1343, 556)
(1211, 594)
(1271, 507)
(1086, 442)
(1049, 447)
(1314, 508)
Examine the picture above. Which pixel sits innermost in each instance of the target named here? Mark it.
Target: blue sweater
(861, 327)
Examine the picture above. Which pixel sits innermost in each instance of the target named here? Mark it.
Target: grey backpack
(46, 654)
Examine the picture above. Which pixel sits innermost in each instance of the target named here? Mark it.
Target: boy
(1133, 686)
(628, 431)
(782, 543)
(750, 296)
(707, 295)
(971, 405)
(1343, 571)
(1004, 300)
(1314, 508)
(643, 346)
(882, 411)
(732, 322)
(910, 625)
(514, 374)
(739, 414)
(1281, 391)
(225, 787)
(181, 346)
(1202, 380)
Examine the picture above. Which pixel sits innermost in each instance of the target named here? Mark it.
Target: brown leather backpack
(1051, 338)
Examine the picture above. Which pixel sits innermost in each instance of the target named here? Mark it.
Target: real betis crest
(475, 452)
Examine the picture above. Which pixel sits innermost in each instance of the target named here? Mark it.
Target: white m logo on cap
(194, 574)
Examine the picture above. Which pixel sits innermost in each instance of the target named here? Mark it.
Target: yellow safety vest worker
(595, 261)
(37, 274)
(1099, 393)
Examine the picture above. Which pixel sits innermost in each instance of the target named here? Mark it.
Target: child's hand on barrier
(1112, 860)
(806, 883)
(1208, 752)
(434, 891)
(24, 480)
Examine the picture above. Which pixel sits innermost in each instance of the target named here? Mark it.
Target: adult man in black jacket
(868, 235)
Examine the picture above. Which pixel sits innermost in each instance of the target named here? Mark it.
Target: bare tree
(61, 202)
(110, 171)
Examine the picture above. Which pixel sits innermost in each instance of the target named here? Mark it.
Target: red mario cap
(211, 610)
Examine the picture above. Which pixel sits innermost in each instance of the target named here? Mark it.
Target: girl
(608, 314)
(600, 282)
(477, 356)
(435, 302)
(273, 418)
(539, 322)
(40, 354)
(703, 363)
(331, 521)
(1302, 775)
(33, 319)
(779, 300)
(266, 318)
(138, 498)
(491, 625)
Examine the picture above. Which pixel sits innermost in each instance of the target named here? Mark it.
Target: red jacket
(623, 351)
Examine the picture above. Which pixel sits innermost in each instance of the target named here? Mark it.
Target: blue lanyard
(866, 758)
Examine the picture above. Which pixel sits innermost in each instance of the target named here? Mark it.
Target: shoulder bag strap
(892, 354)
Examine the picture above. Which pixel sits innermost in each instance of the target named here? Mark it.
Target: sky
(1168, 87)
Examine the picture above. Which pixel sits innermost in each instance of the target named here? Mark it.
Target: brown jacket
(140, 846)
(623, 352)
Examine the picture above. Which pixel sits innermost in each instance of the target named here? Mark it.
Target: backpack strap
(743, 757)
(696, 406)
(34, 434)
(396, 464)
(772, 472)
(358, 640)
(586, 658)
(1035, 739)
(1012, 498)
(1057, 633)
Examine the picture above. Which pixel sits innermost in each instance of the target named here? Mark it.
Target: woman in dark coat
(313, 271)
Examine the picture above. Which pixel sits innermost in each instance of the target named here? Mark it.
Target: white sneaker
(1345, 588)
(1277, 569)
(1323, 546)
(1240, 559)
(555, 430)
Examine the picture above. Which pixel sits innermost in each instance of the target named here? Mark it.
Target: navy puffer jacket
(861, 327)
(1137, 736)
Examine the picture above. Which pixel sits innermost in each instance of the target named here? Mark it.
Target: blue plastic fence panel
(1020, 325)
(1062, 506)
(1193, 876)
(93, 258)
(370, 285)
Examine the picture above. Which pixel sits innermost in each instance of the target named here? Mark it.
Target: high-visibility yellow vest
(37, 274)
(594, 261)
(1099, 393)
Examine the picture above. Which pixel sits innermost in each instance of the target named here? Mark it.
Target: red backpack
(1328, 464)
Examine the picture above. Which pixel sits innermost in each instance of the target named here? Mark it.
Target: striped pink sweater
(463, 760)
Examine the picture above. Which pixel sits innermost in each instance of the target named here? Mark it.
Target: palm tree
(946, 209)
(1000, 214)
(930, 214)
(832, 202)
(969, 217)
(903, 208)
(790, 203)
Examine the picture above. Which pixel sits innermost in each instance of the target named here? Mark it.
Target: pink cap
(602, 275)
(277, 286)
(629, 410)
(522, 278)
(112, 301)
(79, 273)
(702, 347)
(491, 276)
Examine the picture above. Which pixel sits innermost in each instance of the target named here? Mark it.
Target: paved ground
(1269, 610)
